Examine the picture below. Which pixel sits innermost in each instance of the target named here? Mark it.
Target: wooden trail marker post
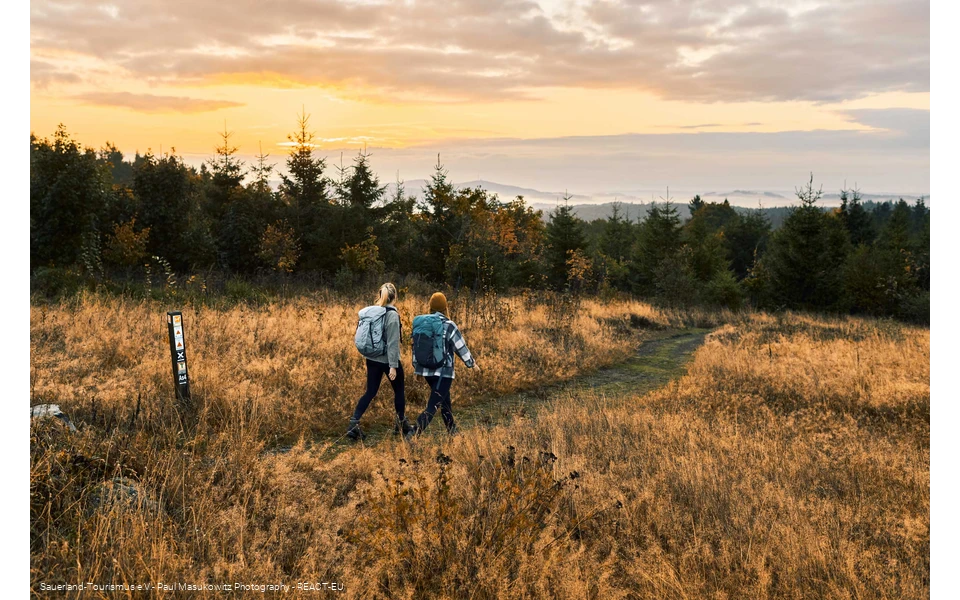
(178, 354)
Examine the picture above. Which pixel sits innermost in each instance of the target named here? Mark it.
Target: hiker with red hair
(435, 341)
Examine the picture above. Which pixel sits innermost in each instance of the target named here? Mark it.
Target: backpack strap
(436, 390)
(443, 334)
(398, 319)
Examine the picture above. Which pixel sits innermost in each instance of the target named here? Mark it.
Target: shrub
(723, 291)
(56, 282)
(915, 307)
(241, 290)
(363, 257)
(674, 281)
(126, 247)
(279, 247)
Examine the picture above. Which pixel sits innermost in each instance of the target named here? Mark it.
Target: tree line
(98, 214)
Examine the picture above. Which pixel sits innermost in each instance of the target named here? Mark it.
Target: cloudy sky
(584, 95)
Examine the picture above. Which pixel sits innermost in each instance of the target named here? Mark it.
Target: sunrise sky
(588, 96)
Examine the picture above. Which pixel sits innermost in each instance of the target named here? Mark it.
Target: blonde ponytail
(387, 294)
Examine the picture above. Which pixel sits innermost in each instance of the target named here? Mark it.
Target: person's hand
(476, 366)
(393, 373)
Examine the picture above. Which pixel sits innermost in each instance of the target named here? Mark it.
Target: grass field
(789, 458)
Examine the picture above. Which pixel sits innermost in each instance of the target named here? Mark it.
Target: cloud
(896, 119)
(149, 103)
(455, 50)
(44, 74)
(908, 126)
(710, 125)
(636, 164)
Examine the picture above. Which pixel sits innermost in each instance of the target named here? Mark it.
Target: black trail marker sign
(178, 353)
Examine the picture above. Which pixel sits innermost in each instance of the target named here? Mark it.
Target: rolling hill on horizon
(737, 197)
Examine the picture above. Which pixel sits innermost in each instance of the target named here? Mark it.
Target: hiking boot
(402, 426)
(412, 434)
(452, 431)
(353, 430)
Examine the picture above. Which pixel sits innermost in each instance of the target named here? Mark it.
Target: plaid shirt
(454, 342)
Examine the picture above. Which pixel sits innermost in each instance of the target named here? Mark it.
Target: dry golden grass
(290, 367)
(792, 461)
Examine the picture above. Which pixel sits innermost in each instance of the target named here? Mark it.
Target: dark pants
(375, 372)
(439, 398)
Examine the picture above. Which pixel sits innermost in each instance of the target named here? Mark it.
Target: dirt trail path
(658, 360)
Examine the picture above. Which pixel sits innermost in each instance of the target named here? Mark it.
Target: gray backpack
(370, 338)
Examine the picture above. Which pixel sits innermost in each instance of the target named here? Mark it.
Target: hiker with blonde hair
(435, 341)
(378, 340)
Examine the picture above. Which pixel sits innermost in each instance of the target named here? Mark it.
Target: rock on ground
(46, 411)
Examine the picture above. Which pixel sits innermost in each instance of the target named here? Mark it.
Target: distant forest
(775, 215)
(99, 220)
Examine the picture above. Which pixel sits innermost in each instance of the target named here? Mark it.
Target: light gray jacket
(391, 331)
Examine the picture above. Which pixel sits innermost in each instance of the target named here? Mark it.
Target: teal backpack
(429, 343)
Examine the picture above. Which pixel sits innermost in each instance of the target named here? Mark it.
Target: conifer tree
(807, 253)
(437, 207)
(694, 205)
(564, 236)
(746, 239)
(617, 237)
(399, 229)
(855, 218)
(69, 193)
(658, 237)
(237, 221)
(708, 255)
(362, 188)
(614, 247)
(307, 205)
(261, 172)
(360, 195)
